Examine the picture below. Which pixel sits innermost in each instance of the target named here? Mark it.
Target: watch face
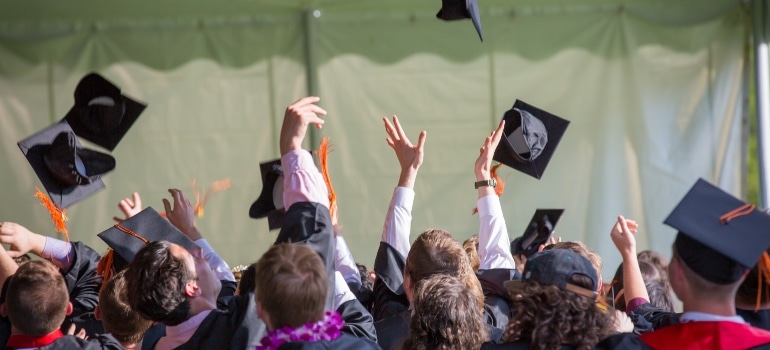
(493, 182)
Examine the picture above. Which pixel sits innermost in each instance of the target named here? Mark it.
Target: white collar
(694, 316)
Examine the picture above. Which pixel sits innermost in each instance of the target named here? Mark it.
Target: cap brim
(742, 239)
(554, 126)
(34, 148)
(110, 139)
(264, 205)
(147, 224)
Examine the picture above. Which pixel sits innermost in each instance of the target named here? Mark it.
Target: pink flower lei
(328, 328)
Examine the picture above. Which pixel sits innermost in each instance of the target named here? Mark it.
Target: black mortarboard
(538, 232)
(101, 114)
(270, 201)
(719, 235)
(461, 9)
(529, 139)
(69, 172)
(129, 236)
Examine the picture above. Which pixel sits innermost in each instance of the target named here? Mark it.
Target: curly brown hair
(548, 317)
(445, 316)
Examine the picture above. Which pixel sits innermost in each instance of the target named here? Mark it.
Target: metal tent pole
(759, 10)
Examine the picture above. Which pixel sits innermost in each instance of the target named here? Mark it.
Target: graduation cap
(461, 9)
(556, 267)
(69, 172)
(529, 139)
(539, 230)
(101, 114)
(129, 236)
(719, 235)
(270, 201)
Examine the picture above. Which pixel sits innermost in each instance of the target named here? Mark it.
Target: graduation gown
(498, 305)
(693, 335)
(101, 341)
(392, 331)
(759, 319)
(344, 342)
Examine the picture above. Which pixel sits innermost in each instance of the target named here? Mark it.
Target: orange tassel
(104, 268)
(200, 201)
(58, 215)
(500, 184)
(763, 267)
(323, 155)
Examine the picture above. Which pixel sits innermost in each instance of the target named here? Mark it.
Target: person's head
(436, 252)
(37, 300)
(471, 246)
(555, 303)
(117, 316)
(660, 295)
(288, 275)
(366, 279)
(165, 282)
(650, 273)
(445, 315)
(583, 250)
(692, 281)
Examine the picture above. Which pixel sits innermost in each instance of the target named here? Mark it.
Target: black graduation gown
(392, 331)
(344, 342)
(759, 319)
(101, 341)
(83, 284)
(517, 345)
(498, 306)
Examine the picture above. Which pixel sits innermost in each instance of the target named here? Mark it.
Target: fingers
(399, 129)
(305, 101)
(71, 329)
(117, 219)
(390, 129)
(497, 134)
(167, 206)
(137, 200)
(421, 140)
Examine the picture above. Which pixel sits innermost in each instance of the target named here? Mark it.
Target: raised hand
(129, 207)
(296, 119)
(20, 239)
(622, 235)
(409, 156)
(182, 215)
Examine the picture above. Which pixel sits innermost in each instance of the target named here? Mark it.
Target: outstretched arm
(398, 220)
(494, 244)
(622, 235)
(182, 216)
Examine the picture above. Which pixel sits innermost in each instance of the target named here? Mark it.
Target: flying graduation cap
(270, 201)
(529, 139)
(461, 9)
(101, 114)
(539, 230)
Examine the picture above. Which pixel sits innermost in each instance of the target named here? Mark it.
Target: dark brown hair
(437, 252)
(37, 298)
(445, 316)
(471, 246)
(548, 317)
(155, 284)
(291, 285)
(117, 316)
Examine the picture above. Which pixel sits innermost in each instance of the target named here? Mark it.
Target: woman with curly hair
(445, 315)
(555, 305)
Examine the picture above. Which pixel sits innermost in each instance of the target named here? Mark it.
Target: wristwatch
(491, 183)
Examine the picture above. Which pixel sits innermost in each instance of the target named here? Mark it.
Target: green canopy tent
(655, 91)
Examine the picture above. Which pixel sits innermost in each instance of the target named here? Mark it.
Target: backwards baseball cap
(720, 236)
(101, 114)
(68, 172)
(530, 138)
(270, 201)
(129, 236)
(461, 9)
(539, 230)
(556, 267)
